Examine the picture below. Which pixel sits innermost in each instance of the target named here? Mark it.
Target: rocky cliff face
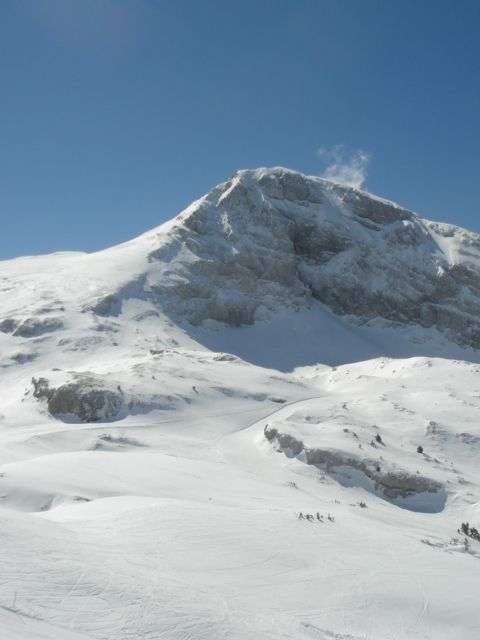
(268, 239)
(382, 477)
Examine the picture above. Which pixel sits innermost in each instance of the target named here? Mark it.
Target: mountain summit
(272, 238)
(267, 241)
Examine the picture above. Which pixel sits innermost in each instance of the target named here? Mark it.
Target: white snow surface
(177, 518)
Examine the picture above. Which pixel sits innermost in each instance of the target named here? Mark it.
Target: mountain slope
(171, 405)
(262, 243)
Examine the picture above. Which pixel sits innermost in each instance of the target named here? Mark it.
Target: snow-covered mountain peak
(264, 243)
(273, 238)
(252, 189)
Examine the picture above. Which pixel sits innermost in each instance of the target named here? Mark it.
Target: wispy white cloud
(344, 165)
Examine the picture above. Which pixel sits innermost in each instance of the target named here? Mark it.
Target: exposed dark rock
(318, 244)
(55, 307)
(41, 388)
(151, 313)
(390, 484)
(233, 312)
(87, 404)
(287, 443)
(107, 327)
(8, 325)
(379, 211)
(24, 358)
(33, 327)
(109, 305)
(468, 438)
(80, 401)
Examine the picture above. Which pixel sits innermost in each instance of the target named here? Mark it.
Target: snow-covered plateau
(260, 420)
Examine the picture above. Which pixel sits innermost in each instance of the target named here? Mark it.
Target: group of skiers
(318, 516)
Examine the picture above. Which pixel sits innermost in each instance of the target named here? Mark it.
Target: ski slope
(303, 476)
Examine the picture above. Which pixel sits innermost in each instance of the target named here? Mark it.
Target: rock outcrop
(81, 401)
(383, 479)
(33, 327)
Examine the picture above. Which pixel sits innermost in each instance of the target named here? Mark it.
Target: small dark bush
(470, 532)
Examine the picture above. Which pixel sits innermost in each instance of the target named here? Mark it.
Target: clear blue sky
(115, 114)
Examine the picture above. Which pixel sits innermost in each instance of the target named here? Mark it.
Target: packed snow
(204, 432)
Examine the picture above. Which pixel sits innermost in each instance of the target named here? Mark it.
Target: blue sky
(115, 114)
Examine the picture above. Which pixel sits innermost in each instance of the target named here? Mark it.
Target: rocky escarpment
(84, 400)
(30, 327)
(96, 398)
(273, 239)
(112, 395)
(377, 476)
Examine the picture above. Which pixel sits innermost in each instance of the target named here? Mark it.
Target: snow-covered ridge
(274, 238)
(268, 240)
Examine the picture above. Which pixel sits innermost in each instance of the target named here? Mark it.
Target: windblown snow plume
(348, 167)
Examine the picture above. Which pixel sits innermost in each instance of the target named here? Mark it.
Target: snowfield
(258, 421)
